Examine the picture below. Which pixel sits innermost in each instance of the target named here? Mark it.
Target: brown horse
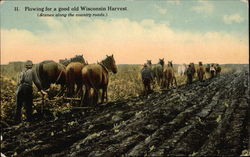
(96, 77)
(74, 76)
(47, 73)
(200, 71)
(218, 69)
(169, 76)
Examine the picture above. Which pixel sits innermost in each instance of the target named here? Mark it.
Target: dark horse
(74, 77)
(157, 71)
(77, 58)
(200, 71)
(46, 73)
(96, 77)
(169, 76)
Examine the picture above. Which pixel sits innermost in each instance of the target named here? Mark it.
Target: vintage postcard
(124, 78)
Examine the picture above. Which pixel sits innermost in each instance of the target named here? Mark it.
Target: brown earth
(208, 118)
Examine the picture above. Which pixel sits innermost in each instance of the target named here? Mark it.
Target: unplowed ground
(208, 118)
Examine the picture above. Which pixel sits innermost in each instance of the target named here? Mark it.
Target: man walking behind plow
(24, 94)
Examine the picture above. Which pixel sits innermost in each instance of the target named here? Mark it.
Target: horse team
(95, 77)
(76, 71)
(165, 76)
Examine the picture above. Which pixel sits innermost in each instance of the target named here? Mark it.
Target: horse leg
(62, 89)
(172, 80)
(86, 96)
(95, 97)
(79, 91)
(145, 87)
(70, 89)
(103, 95)
(168, 82)
(175, 82)
(106, 94)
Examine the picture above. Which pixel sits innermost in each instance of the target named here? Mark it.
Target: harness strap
(59, 76)
(104, 67)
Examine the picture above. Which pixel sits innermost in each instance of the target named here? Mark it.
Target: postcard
(125, 78)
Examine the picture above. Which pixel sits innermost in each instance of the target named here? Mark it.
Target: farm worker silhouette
(189, 74)
(24, 94)
(212, 71)
(217, 69)
(147, 78)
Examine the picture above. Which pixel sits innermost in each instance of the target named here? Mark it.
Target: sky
(183, 31)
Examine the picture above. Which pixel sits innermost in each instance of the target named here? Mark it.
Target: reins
(59, 76)
(104, 66)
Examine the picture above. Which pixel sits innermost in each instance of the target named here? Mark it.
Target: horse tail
(89, 74)
(70, 80)
(95, 98)
(41, 73)
(40, 70)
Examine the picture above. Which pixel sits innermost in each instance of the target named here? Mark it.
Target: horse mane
(76, 58)
(105, 63)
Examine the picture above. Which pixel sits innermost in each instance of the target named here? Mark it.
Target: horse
(77, 58)
(96, 77)
(46, 73)
(182, 69)
(157, 71)
(74, 76)
(149, 63)
(169, 76)
(200, 71)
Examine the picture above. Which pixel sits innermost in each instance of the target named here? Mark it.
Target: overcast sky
(179, 30)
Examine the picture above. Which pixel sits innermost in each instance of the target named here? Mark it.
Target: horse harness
(104, 67)
(59, 76)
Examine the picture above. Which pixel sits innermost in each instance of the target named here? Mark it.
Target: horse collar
(104, 67)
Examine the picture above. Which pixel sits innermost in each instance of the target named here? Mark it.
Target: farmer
(212, 71)
(189, 74)
(24, 92)
(147, 78)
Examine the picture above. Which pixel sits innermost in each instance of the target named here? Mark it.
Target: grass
(126, 83)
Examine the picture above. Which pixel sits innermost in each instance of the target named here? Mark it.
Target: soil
(204, 118)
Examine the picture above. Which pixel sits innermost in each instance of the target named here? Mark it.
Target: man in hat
(24, 93)
(212, 71)
(147, 78)
(189, 74)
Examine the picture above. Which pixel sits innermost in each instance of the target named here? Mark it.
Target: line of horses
(165, 76)
(76, 71)
(95, 77)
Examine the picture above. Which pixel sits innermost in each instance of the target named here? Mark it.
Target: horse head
(110, 64)
(170, 63)
(161, 62)
(149, 62)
